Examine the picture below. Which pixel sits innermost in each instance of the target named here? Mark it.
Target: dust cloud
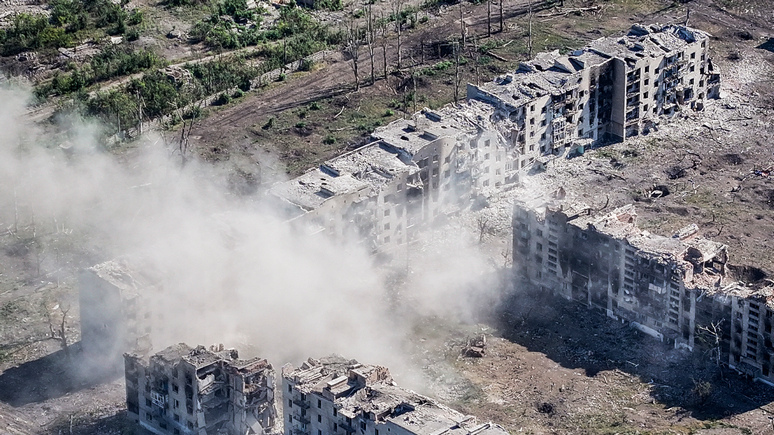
(231, 270)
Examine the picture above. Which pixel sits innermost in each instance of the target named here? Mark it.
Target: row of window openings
(647, 67)
(319, 417)
(163, 424)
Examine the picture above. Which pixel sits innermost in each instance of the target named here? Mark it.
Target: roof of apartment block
(651, 41)
(118, 273)
(311, 189)
(762, 291)
(413, 135)
(374, 164)
(377, 163)
(621, 223)
(360, 388)
(200, 357)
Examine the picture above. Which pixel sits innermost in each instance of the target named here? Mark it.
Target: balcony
(347, 427)
(301, 419)
(303, 404)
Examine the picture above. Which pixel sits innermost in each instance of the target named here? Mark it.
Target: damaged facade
(334, 395)
(678, 289)
(181, 390)
(612, 89)
(412, 172)
(416, 170)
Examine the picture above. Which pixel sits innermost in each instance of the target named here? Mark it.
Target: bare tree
(414, 74)
(501, 14)
(489, 18)
(185, 145)
(370, 39)
(507, 258)
(35, 244)
(457, 72)
(383, 41)
(529, 41)
(397, 12)
(352, 48)
(484, 228)
(712, 335)
(462, 25)
(56, 316)
(476, 55)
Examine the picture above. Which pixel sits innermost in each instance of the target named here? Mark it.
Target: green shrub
(300, 125)
(237, 94)
(315, 106)
(222, 99)
(306, 65)
(389, 112)
(329, 140)
(132, 35)
(330, 5)
(245, 84)
(135, 18)
(193, 113)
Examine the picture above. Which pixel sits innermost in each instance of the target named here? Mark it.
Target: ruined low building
(678, 289)
(181, 390)
(334, 395)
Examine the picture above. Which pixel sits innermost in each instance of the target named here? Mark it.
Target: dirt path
(336, 76)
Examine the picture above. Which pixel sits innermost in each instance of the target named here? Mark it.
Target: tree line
(70, 21)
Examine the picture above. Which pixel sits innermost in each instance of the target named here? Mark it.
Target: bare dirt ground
(540, 376)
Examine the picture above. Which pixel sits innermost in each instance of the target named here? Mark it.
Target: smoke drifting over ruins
(225, 269)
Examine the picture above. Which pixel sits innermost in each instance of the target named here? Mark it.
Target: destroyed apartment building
(679, 289)
(115, 310)
(434, 164)
(181, 390)
(610, 90)
(334, 395)
(412, 172)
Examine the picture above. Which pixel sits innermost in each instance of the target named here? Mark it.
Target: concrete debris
(476, 347)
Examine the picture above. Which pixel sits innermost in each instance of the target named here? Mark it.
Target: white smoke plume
(232, 272)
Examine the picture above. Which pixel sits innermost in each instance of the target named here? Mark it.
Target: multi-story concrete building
(411, 173)
(677, 289)
(416, 170)
(181, 390)
(115, 311)
(334, 396)
(612, 89)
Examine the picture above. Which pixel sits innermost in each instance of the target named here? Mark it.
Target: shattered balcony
(633, 88)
